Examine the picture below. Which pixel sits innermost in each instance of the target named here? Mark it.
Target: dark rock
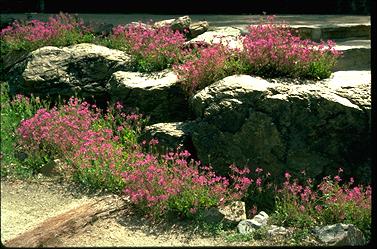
(340, 235)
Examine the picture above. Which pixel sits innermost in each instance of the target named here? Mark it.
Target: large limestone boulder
(83, 69)
(317, 126)
(158, 94)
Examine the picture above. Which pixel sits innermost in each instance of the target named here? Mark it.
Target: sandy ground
(25, 204)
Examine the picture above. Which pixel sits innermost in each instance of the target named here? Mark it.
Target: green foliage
(13, 111)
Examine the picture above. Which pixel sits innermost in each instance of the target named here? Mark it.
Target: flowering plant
(329, 202)
(272, 50)
(59, 30)
(174, 185)
(152, 49)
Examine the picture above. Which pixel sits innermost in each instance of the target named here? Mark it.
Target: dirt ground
(26, 204)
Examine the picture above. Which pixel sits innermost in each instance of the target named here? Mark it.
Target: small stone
(213, 215)
(245, 227)
(340, 235)
(263, 213)
(276, 230)
(234, 211)
(260, 219)
(198, 28)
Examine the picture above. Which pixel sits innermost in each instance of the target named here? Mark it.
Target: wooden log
(68, 222)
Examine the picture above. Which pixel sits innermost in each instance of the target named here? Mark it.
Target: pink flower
(318, 208)
(302, 208)
(258, 182)
(287, 175)
(337, 178)
(258, 170)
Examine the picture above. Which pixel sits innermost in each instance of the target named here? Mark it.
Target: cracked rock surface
(285, 126)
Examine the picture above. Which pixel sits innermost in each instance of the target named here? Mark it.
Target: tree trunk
(68, 222)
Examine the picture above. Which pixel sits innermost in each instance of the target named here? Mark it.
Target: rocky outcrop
(340, 235)
(82, 69)
(281, 126)
(156, 94)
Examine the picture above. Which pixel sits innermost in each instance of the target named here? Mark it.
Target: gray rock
(181, 24)
(198, 28)
(170, 135)
(261, 219)
(274, 230)
(228, 36)
(163, 23)
(340, 235)
(233, 212)
(176, 24)
(250, 225)
(213, 215)
(142, 25)
(264, 214)
(82, 68)
(283, 126)
(245, 227)
(356, 55)
(156, 94)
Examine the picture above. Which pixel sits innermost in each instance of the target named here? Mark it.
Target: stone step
(356, 55)
(334, 32)
(328, 32)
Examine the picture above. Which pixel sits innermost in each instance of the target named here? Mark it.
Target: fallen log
(68, 222)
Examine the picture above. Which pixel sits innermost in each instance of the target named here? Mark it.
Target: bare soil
(25, 204)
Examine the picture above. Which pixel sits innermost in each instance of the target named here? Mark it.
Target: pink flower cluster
(158, 46)
(63, 128)
(174, 184)
(79, 134)
(329, 196)
(209, 66)
(271, 47)
(36, 30)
